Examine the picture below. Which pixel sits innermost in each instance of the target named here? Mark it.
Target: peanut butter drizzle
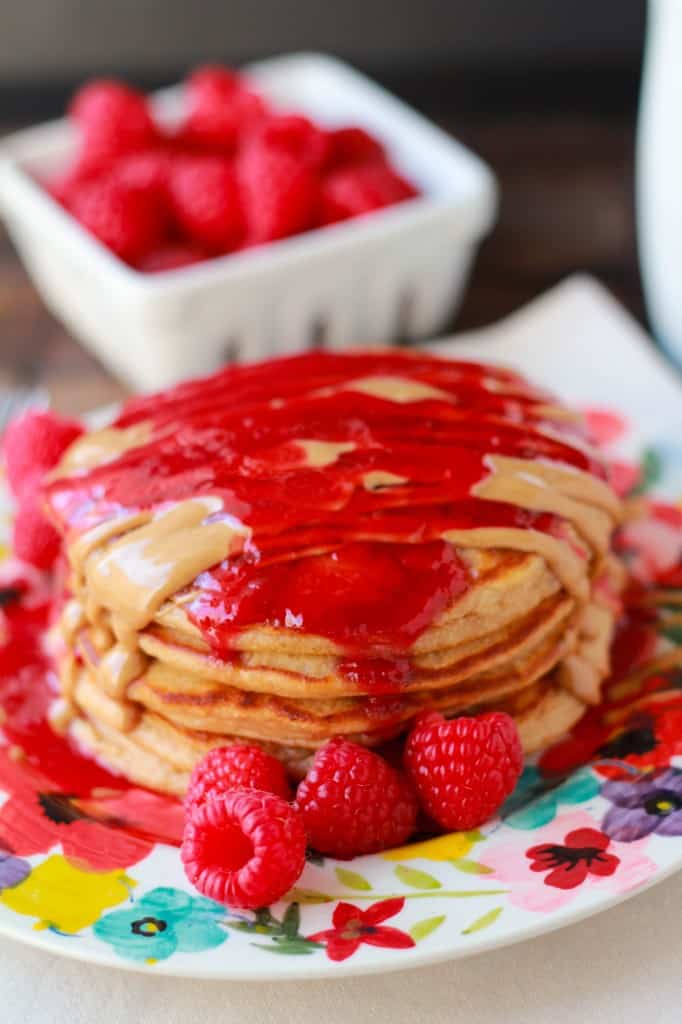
(79, 550)
(134, 575)
(567, 480)
(569, 568)
(118, 667)
(100, 447)
(324, 453)
(397, 389)
(532, 488)
(379, 478)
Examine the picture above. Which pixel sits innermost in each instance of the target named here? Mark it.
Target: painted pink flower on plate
(566, 857)
(605, 426)
(655, 545)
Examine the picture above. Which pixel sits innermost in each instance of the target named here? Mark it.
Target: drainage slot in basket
(231, 350)
(404, 314)
(319, 332)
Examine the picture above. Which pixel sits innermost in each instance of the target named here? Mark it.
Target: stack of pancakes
(146, 687)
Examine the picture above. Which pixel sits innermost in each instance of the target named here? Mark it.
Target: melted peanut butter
(569, 568)
(379, 478)
(537, 487)
(100, 447)
(134, 575)
(398, 389)
(323, 453)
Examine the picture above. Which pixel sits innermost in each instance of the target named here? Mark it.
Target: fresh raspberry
(236, 767)
(279, 193)
(113, 119)
(244, 848)
(206, 201)
(129, 221)
(173, 256)
(297, 135)
(34, 443)
(352, 146)
(352, 802)
(221, 107)
(34, 538)
(64, 187)
(463, 769)
(148, 169)
(355, 190)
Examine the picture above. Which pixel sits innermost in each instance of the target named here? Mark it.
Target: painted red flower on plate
(352, 926)
(582, 853)
(36, 817)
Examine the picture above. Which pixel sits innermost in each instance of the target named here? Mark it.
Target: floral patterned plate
(89, 867)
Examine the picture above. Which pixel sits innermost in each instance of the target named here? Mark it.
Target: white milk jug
(659, 173)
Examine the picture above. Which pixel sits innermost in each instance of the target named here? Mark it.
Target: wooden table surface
(567, 204)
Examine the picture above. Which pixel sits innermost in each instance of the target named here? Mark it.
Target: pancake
(328, 545)
(160, 756)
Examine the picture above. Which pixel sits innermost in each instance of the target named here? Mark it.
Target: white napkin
(622, 965)
(579, 341)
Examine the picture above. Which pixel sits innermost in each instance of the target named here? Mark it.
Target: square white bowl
(399, 272)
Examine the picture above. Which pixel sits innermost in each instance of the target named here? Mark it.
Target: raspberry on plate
(352, 802)
(221, 107)
(352, 191)
(206, 201)
(463, 769)
(244, 848)
(352, 145)
(239, 766)
(113, 119)
(34, 538)
(34, 443)
(129, 221)
(279, 193)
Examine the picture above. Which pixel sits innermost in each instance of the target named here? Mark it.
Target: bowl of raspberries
(241, 215)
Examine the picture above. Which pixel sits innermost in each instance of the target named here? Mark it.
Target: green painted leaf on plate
(471, 867)
(290, 947)
(651, 471)
(483, 922)
(423, 928)
(291, 921)
(310, 896)
(352, 880)
(416, 879)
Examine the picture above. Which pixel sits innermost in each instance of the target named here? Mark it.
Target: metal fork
(13, 403)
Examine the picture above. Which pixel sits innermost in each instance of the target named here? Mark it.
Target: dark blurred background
(545, 92)
(496, 50)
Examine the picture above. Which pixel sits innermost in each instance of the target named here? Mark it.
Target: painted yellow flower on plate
(64, 897)
(442, 848)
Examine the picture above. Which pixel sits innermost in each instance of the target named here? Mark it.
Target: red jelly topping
(382, 596)
(331, 552)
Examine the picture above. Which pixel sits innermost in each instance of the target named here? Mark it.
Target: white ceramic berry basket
(396, 273)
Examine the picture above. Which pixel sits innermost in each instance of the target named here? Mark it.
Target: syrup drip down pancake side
(325, 545)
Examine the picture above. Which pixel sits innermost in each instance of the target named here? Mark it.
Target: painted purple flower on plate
(13, 870)
(644, 807)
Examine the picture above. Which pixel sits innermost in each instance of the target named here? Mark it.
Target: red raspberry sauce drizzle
(328, 554)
